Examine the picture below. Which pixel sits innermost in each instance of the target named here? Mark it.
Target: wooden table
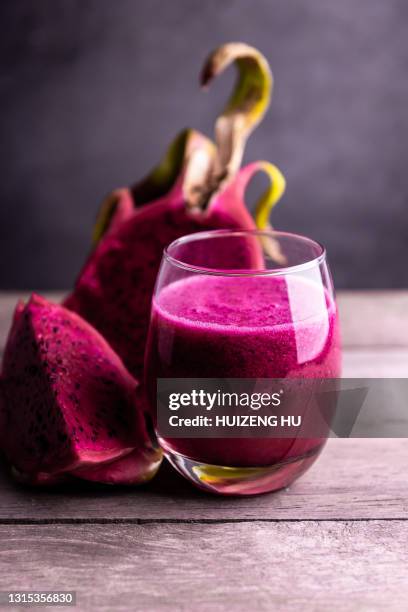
(335, 540)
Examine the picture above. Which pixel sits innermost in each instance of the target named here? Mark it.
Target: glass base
(242, 481)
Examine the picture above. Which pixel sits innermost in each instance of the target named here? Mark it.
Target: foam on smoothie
(277, 322)
(241, 303)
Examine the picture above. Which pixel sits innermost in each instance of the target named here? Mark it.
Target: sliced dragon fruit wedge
(67, 403)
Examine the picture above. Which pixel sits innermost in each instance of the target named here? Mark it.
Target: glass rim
(280, 271)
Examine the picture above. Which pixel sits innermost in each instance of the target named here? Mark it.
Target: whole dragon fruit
(197, 186)
(67, 403)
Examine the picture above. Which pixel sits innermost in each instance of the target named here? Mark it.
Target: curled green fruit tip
(105, 214)
(161, 179)
(266, 203)
(245, 108)
(251, 96)
(271, 196)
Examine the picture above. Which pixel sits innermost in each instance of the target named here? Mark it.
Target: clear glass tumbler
(242, 304)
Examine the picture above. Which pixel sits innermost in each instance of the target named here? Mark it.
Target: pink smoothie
(242, 327)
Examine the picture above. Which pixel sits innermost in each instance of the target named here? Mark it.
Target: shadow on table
(167, 482)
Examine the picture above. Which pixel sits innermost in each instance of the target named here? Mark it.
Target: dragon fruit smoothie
(242, 327)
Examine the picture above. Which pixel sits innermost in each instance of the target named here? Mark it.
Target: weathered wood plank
(346, 566)
(368, 318)
(353, 479)
(374, 318)
(380, 362)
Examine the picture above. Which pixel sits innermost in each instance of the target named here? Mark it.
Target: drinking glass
(242, 305)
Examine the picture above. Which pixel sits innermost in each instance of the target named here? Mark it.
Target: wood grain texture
(342, 566)
(352, 479)
(379, 362)
(374, 318)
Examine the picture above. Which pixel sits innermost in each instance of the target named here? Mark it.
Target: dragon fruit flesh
(67, 403)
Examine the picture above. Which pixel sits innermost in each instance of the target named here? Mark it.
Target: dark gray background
(92, 91)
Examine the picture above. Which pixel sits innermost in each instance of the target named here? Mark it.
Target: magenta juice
(242, 327)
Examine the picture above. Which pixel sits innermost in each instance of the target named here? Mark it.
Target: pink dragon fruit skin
(114, 289)
(135, 468)
(67, 402)
(197, 186)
